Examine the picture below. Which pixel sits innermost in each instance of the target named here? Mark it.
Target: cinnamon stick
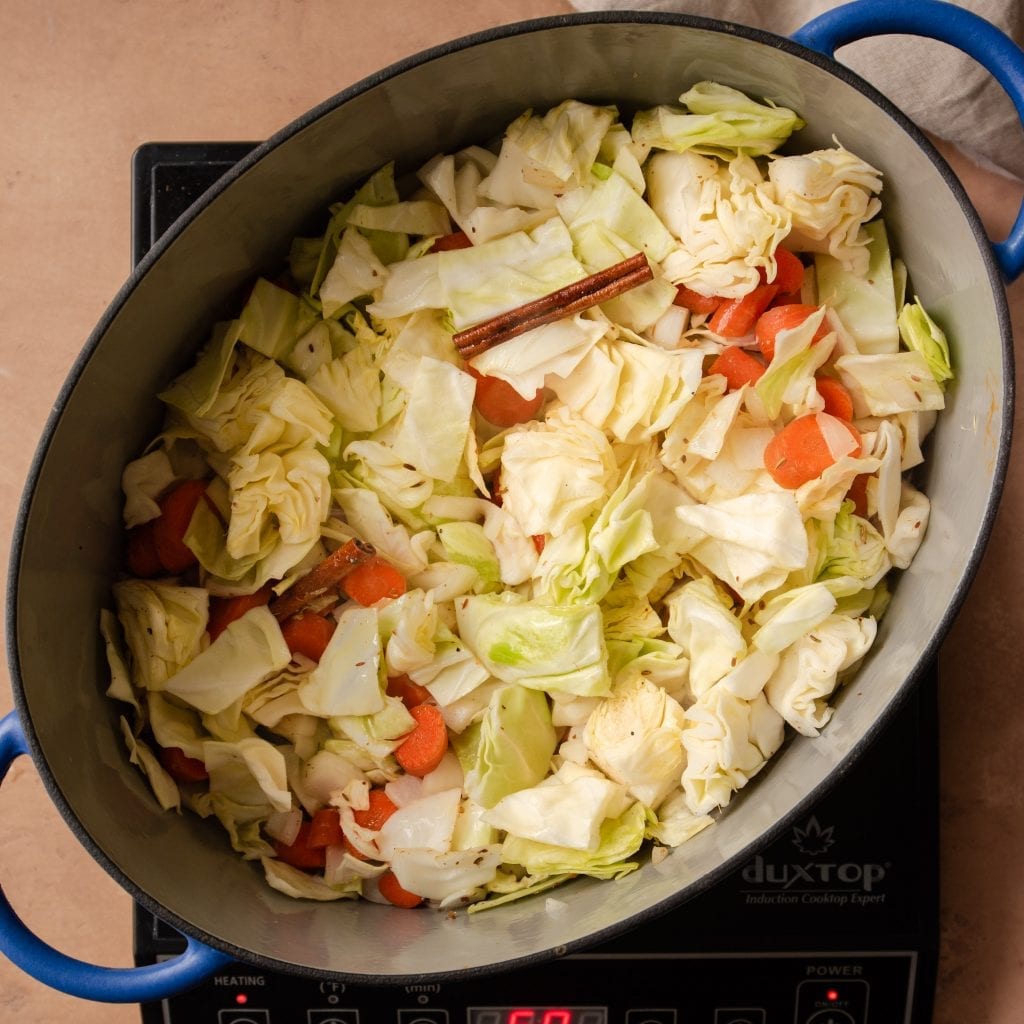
(572, 299)
(322, 579)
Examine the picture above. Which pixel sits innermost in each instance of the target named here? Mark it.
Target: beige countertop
(82, 84)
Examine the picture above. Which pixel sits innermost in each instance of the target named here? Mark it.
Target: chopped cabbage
(618, 839)
(634, 737)
(701, 620)
(920, 333)
(163, 625)
(862, 297)
(555, 473)
(727, 740)
(612, 601)
(724, 217)
(716, 120)
(510, 748)
(556, 648)
(143, 481)
(250, 650)
(830, 194)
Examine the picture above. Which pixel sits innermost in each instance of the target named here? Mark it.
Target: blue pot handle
(76, 978)
(947, 23)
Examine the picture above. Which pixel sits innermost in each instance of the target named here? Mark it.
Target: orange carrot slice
(393, 892)
(789, 272)
(381, 808)
(142, 557)
(456, 240)
(176, 508)
(784, 318)
(838, 401)
(421, 751)
(801, 451)
(735, 318)
(181, 767)
(325, 829)
(374, 581)
(499, 403)
(224, 610)
(738, 367)
(308, 633)
(695, 302)
(411, 694)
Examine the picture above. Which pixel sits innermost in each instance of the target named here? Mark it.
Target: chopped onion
(284, 825)
(404, 790)
(340, 867)
(669, 327)
(447, 775)
(838, 439)
(363, 839)
(658, 854)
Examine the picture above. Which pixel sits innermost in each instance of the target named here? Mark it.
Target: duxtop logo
(820, 879)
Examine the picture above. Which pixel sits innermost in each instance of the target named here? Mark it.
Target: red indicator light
(831, 995)
(241, 998)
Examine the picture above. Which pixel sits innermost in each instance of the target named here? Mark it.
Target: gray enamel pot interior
(68, 551)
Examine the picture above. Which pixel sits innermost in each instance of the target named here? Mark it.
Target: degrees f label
(815, 876)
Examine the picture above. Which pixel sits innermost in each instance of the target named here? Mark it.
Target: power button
(842, 1001)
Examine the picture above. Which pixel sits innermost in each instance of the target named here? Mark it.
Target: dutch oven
(63, 561)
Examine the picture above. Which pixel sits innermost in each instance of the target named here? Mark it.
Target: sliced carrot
(395, 894)
(695, 302)
(456, 240)
(176, 508)
(323, 580)
(499, 403)
(858, 494)
(784, 318)
(738, 367)
(374, 581)
(411, 694)
(381, 808)
(422, 750)
(838, 401)
(299, 853)
(224, 610)
(735, 318)
(789, 272)
(799, 452)
(325, 828)
(308, 633)
(181, 767)
(539, 540)
(142, 557)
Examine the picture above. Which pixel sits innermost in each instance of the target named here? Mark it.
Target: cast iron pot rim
(393, 70)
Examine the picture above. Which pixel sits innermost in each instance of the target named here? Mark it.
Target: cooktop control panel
(593, 988)
(623, 982)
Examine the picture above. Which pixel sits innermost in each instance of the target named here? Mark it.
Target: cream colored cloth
(941, 89)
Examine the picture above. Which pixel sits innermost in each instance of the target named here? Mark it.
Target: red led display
(538, 1015)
